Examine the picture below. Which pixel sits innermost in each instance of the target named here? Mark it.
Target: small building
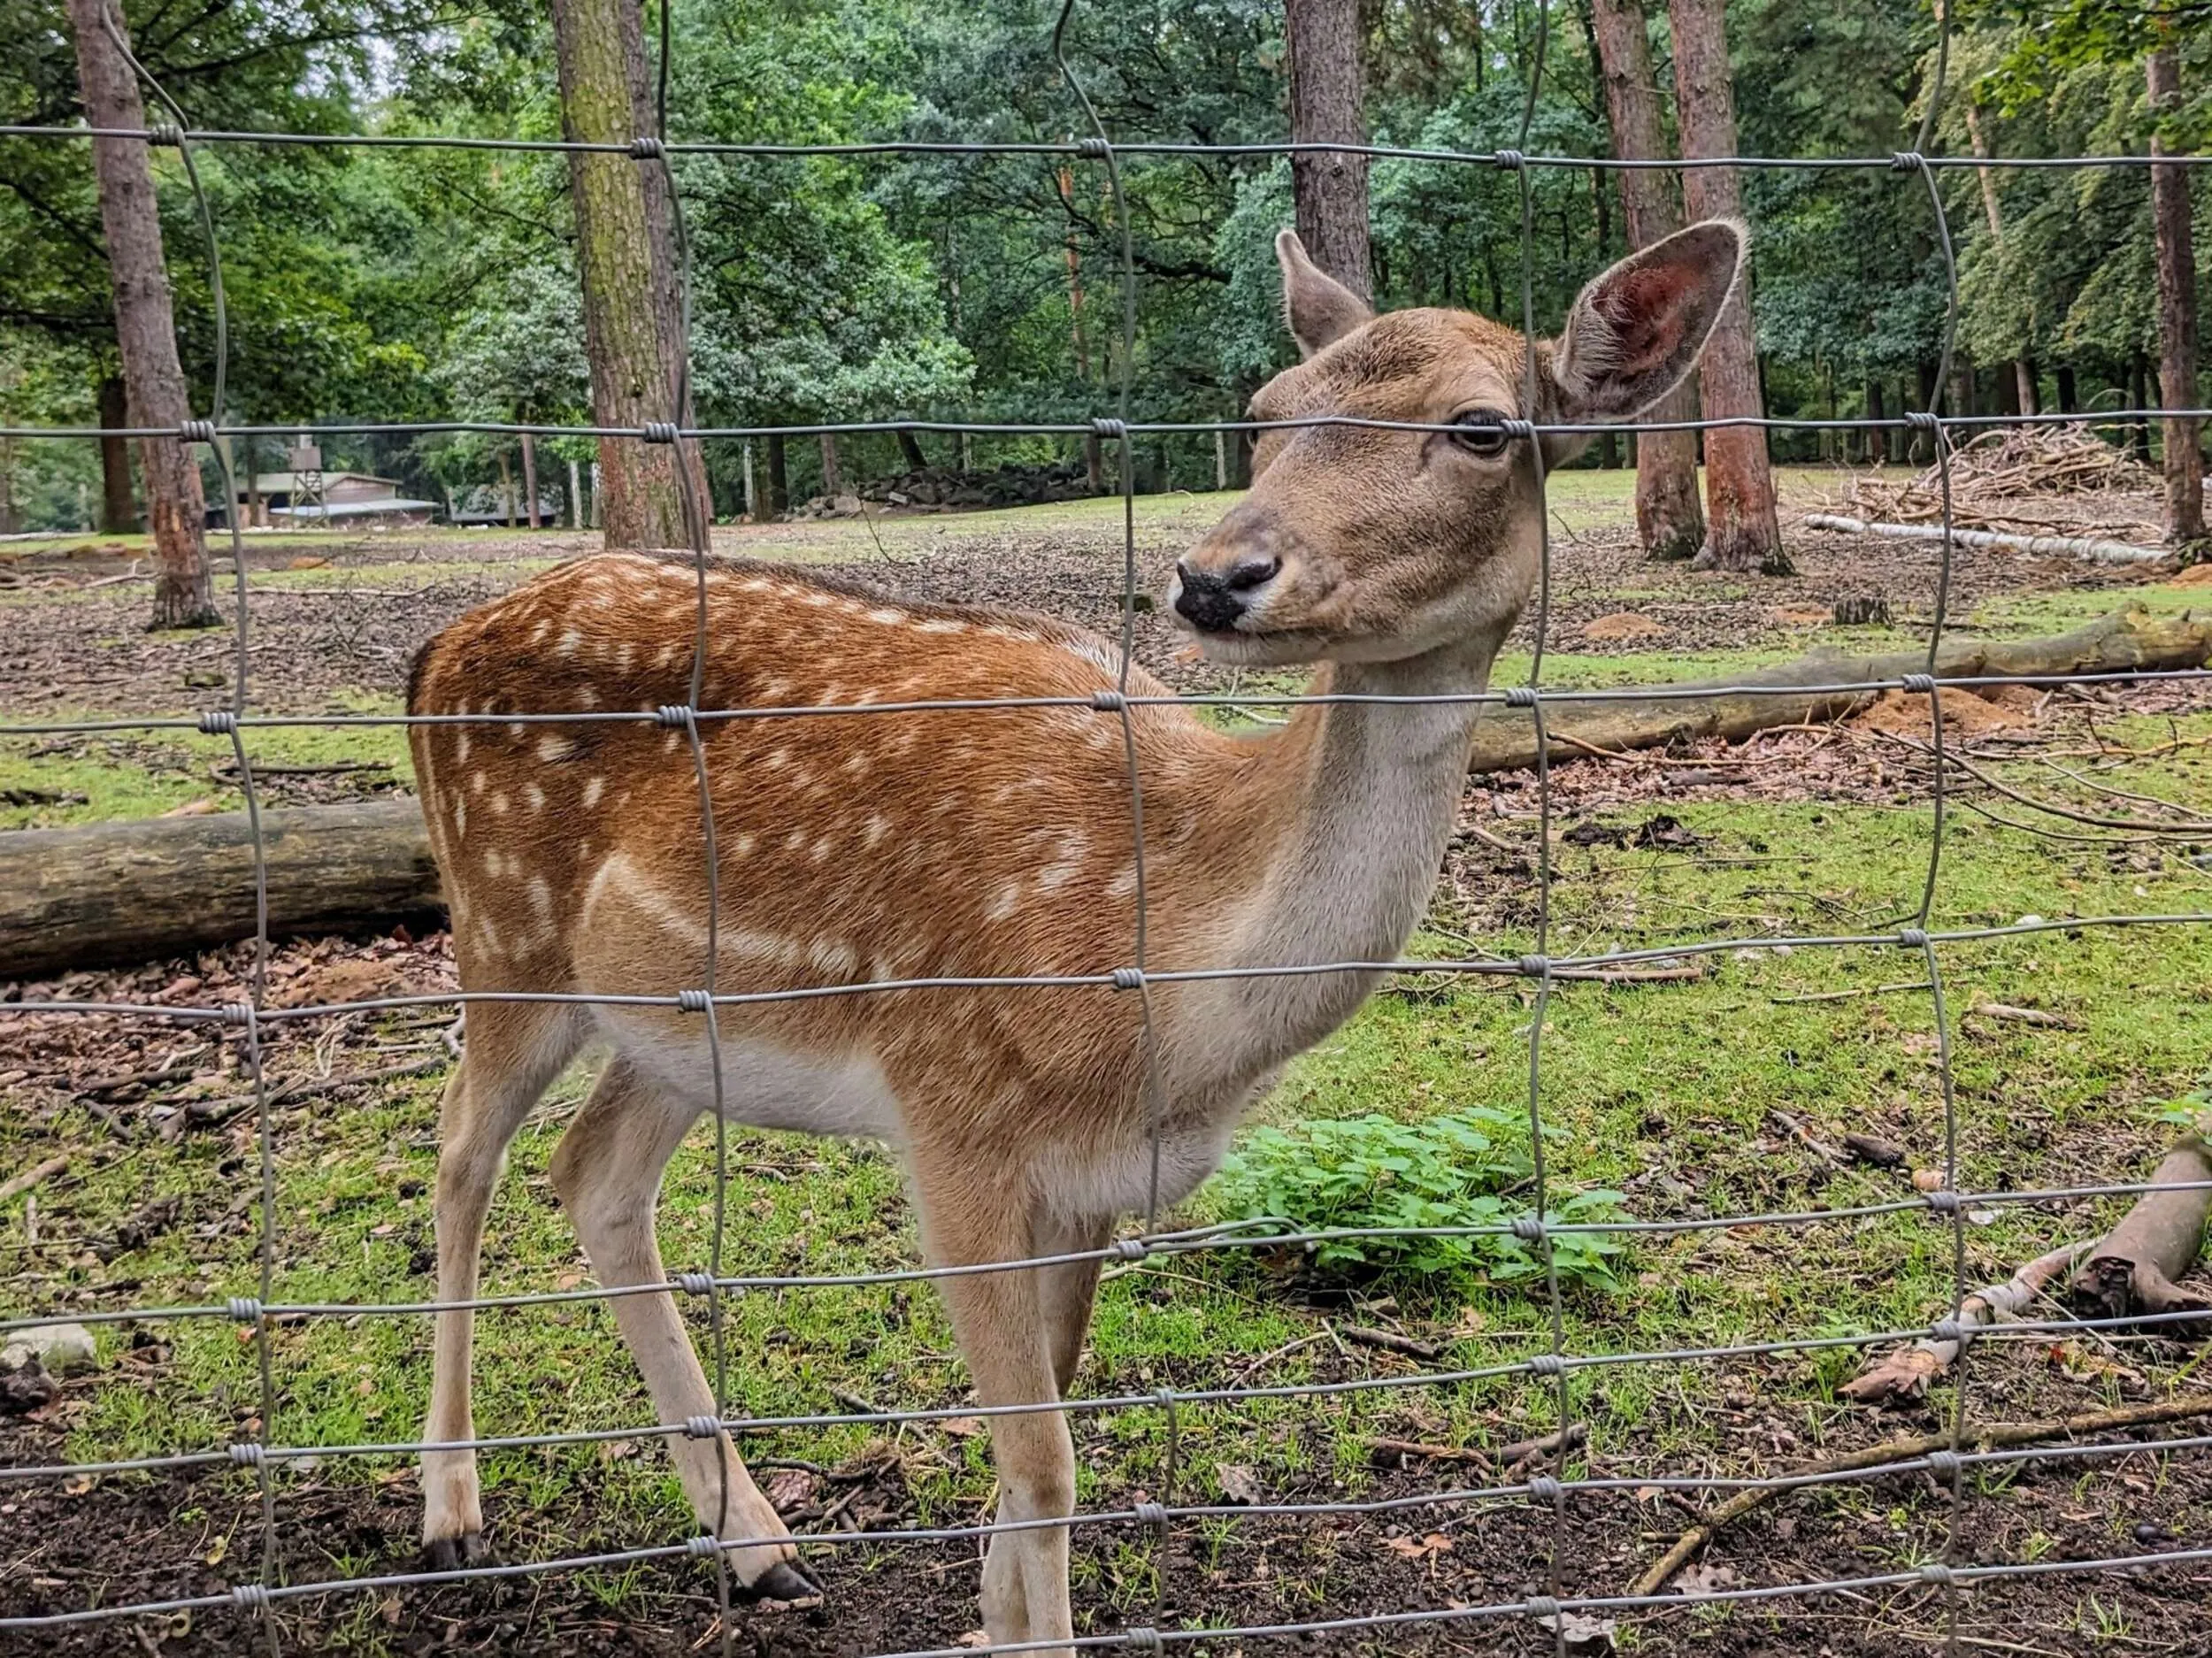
(356, 500)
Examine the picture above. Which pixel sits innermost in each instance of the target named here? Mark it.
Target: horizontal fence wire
(1552, 973)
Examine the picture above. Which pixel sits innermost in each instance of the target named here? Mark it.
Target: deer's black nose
(1211, 600)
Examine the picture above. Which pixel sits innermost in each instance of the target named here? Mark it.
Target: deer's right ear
(1637, 330)
(1320, 309)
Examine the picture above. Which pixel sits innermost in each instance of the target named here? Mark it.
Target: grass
(1643, 1096)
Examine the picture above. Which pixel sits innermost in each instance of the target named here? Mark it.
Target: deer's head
(1359, 543)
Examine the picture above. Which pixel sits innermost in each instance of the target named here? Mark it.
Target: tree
(2177, 310)
(624, 266)
(145, 324)
(1741, 530)
(1669, 521)
(1330, 186)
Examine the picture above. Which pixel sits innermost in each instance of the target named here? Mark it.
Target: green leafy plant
(1447, 1170)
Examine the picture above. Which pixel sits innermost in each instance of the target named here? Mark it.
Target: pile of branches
(2003, 479)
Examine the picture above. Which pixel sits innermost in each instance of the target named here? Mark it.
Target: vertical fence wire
(682, 725)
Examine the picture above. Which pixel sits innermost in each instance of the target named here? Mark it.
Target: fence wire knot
(1540, 1606)
(238, 1013)
(1511, 160)
(1544, 1490)
(1110, 701)
(675, 716)
(1528, 1228)
(1094, 148)
(1944, 1202)
(647, 148)
(702, 1545)
(1107, 427)
(1131, 1248)
(248, 1455)
(1153, 1514)
(1547, 1364)
(166, 134)
(658, 431)
(1142, 1638)
(1946, 1329)
(694, 1002)
(245, 1308)
(1128, 979)
(218, 722)
(1520, 697)
(702, 1427)
(1906, 160)
(1923, 420)
(1936, 1572)
(197, 431)
(1912, 938)
(1923, 684)
(695, 1283)
(1518, 428)
(251, 1597)
(1532, 966)
(1944, 1464)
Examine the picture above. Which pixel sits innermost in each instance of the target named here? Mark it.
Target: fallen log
(136, 891)
(2131, 1269)
(2132, 639)
(2094, 548)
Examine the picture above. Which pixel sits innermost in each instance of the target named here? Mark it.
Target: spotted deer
(860, 847)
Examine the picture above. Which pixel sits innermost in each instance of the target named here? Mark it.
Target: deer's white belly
(765, 1086)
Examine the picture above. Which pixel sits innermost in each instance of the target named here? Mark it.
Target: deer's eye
(1481, 431)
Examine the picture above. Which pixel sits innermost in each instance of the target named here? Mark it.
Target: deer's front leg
(607, 1171)
(1001, 1322)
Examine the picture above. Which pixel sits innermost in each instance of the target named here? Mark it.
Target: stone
(60, 1349)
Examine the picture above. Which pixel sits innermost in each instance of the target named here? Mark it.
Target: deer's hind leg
(607, 1169)
(514, 1050)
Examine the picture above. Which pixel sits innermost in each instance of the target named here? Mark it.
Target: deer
(856, 848)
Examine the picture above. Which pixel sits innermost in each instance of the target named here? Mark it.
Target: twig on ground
(1390, 1341)
(1569, 1438)
(1995, 1436)
(16, 1185)
(1904, 1373)
(2023, 1015)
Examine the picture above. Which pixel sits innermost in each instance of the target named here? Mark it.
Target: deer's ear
(1320, 309)
(1637, 329)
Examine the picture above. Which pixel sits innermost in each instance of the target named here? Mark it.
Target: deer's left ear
(1637, 330)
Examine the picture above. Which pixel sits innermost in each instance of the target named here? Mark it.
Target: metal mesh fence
(1551, 1367)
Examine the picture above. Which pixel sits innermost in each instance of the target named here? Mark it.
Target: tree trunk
(2138, 433)
(832, 475)
(576, 498)
(2069, 398)
(145, 327)
(1741, 530)
(1330, 186)
(507, 488)
(911, 447)
(530, 478)
(620, 259)
(2024, 366)
(1876, 438)
(1669, 522)
(119, 509)
(2177, 313)
(779, 476)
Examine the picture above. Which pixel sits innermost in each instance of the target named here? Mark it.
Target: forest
(396, 284)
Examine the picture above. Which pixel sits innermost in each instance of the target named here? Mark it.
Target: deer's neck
(1363, 796)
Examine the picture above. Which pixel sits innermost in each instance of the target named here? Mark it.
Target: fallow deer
(872, 846)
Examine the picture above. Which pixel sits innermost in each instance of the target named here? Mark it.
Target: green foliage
(1444, 1172)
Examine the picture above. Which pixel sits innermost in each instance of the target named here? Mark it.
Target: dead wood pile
(2037, 480)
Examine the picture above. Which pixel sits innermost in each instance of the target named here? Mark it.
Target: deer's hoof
(784, 1582)
(451, 1554)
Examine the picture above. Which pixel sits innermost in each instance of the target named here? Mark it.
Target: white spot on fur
(555, 749)
(878, 827)
(1125, 884)
(593, 788)
(940, 625)
(570, 640)
(887, 617)
(499, 802)
(1003, 903)
(534, 796)
(794, 840)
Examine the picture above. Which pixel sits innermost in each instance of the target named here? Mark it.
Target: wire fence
(1550, 1366)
